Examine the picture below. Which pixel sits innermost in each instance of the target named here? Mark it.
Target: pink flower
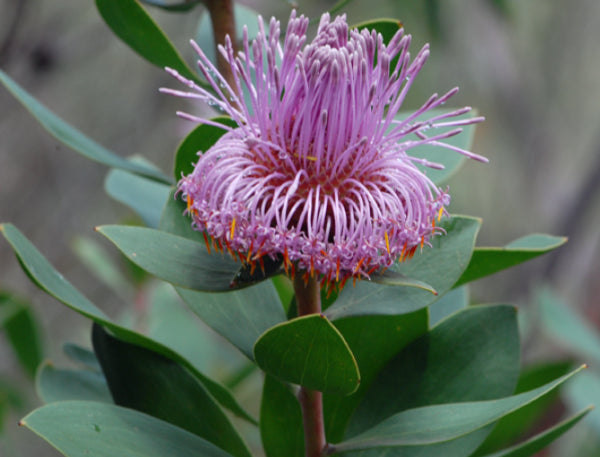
(316, 171)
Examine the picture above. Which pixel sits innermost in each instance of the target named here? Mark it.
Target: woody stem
(308, 300)
(223, 24)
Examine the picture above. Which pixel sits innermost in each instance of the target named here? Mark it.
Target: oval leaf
(53, 384)
(281, 428)
(535, 444)
(394, 278)
(145, 196)
(78, 428)
(73, 138)
(311, 352)
(177, 260)
(153, 384)
(20, 325)
(130, 22)
(565, 326)
(440, 423)
(373, 340)
(240, 316)
(486, 261)
(52, 282)
(444, 366)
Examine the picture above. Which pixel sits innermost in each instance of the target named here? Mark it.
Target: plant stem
(308, 300)
(223, 24)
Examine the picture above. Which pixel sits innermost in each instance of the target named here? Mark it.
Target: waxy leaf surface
(308, 351)
(55, 384)
(153, 384)
(132, 24)
(280, 420)
(19, 324)
(440, 423)
(52, 282)
(564, 325)
(77, 428)
(177, 260)
(448, 304)
(486, 261)
(538, 442)
(373, 340)
(145, 196)
(444, 366)
(516, 425)
(241, 317)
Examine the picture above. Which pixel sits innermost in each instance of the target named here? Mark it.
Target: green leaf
(445, 366)
(145, 196)
(373, 340)
(441, 265)
(73, 138)
(19, 323)
(311, 352)
(583, 392)
(53, 384)
(439, 423)
(49, 280)
(564, 325)
(535, 444)
(173, 221)
(77, 428)
(82, 356)
(516, 425)
(487, 261)
(198, 140)
(393, 278)
(132, 24)
(182, 6)
(153, 384)
(448, 304)
(387, 27)
(177, 260)
(240, 316)
(281, 428)
(103, 267)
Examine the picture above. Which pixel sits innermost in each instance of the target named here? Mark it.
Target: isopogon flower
(316, 172)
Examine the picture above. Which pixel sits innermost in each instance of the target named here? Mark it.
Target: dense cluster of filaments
(316, 171)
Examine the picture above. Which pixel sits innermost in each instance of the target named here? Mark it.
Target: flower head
(316, 171)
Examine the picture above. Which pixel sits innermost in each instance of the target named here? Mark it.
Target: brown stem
(308, 300)
(223, 24)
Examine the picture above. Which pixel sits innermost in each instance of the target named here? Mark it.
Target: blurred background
(530, 67)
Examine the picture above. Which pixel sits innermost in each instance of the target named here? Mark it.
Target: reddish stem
(308, 300)
(223, 24)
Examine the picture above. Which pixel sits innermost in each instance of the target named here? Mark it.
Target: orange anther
(387, 242)
(232, 231)
(207, 242)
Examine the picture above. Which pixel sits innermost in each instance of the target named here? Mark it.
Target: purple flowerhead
(316, 171)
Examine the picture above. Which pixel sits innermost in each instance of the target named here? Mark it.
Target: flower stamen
(232, 231)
